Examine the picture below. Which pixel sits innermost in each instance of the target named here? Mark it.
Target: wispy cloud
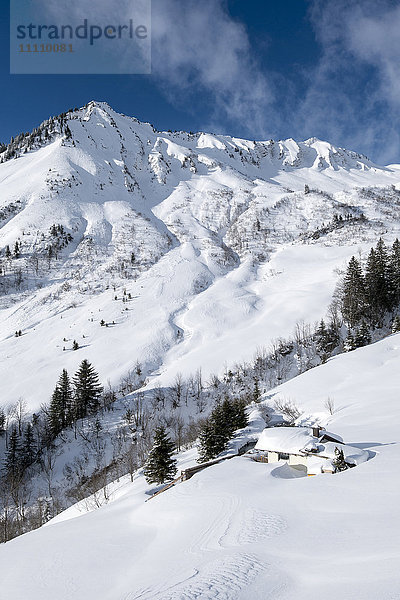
(200, 50)
(203, 61)
(353, 94)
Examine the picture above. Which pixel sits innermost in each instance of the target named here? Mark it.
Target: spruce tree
(256, 391)
(216, 432)
(396, 324)
(362, 336)
(333, 336)
(11, 463)
(2, 421)
(55, 415)
(383, 263)
(240, 419)
(376, 284)
(208, 445)
(226, 417)
(394, 274)
(87, 390)
(349, 343)
(66, 394)
(160, 465)
(339, 461)
(322, 340)
(28, 451)
(353, 293)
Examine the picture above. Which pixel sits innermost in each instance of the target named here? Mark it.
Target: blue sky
(256, 69)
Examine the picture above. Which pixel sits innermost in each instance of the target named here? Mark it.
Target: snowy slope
(214, 239)
(242, 529)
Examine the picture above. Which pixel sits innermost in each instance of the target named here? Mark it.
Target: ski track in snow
(221, 523)
(259, 526)
(225, 578)
(222, 580)
(252, 527)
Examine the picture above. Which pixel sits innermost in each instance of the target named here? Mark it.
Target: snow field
(235, 530)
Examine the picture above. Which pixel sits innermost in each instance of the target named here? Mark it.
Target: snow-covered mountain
(187, 252)
(194, 248)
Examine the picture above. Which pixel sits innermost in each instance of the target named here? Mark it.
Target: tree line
(369, 293)
(74, 400)
(227, 416)
(71, 400)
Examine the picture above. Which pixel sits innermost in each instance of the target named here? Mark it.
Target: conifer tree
(2, 421)
(394, 274)
(349, 343)
(396, 324)
(383, 263)
(353, 294)
(376, 283)
(219, 428)
(11, 463)
(216, 432)
(339, 461)
(87, 390)
(322, 340)
(209, 443)
(160, 465)
(55, 415)
(28, 450)
(362, 336)
(256, 391)
(333, 336)
(66, 395)
(240, 419)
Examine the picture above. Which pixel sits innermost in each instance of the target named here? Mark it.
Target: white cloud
(375, 39)
(353, 94)
(199, 49)
(350, 97)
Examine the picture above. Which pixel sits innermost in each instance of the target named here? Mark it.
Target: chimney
(316, 431)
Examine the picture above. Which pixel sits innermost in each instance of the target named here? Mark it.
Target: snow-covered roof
(335, 436)
(290, 440)
(352, 455)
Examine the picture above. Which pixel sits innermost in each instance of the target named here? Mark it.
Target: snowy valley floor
(241, 529)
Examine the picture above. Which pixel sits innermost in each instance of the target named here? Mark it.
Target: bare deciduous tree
(20, 413)
(329, 404)
(177, 391)
(48, 462)
(288, 408)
